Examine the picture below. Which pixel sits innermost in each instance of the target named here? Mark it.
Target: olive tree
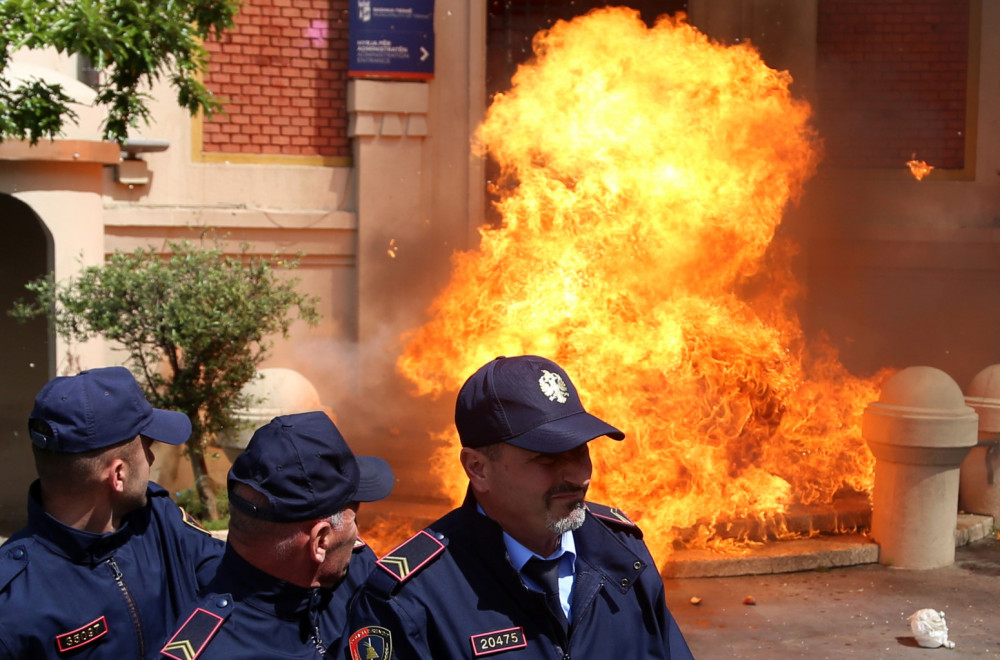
(194, 322)
(134, 43)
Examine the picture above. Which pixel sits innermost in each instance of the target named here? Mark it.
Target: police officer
(293, 558)
(107, 559)
(525, 567)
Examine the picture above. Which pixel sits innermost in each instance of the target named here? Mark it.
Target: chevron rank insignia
(612, 515)
(188, 642)
(411, 556)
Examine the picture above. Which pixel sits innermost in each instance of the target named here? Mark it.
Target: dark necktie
(545, 572)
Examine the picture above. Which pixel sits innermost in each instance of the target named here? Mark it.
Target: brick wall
(282, 74)
(891, 81)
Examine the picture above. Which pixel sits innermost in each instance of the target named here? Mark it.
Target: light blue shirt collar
(519, 556)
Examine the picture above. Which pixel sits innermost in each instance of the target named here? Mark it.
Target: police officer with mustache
(525, 567)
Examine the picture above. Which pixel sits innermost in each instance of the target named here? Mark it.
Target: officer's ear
(116, 474)
(319, 540)
(476, 468)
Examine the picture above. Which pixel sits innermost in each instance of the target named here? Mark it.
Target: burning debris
(918, 168)
(645, 172)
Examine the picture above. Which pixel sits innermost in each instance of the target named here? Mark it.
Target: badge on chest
(498, 641)
(88, 634)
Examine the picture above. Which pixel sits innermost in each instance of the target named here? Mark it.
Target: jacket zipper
(132, 609)
(312, 614)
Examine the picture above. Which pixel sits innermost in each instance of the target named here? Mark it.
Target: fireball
(645, 173)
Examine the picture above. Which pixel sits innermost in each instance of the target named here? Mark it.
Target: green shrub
(194, 322)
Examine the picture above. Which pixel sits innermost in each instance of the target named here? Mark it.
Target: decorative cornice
(69, 151)
(387, 109)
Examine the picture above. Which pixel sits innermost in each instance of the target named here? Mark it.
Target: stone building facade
(373, 179)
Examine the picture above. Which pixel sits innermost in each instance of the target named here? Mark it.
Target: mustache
(565, 489)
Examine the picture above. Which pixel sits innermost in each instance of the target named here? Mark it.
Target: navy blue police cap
(526, 401)
(303, 466)
(98, 408)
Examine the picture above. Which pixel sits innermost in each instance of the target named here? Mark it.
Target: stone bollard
(979, 490)
(919, 431)
(277, 391)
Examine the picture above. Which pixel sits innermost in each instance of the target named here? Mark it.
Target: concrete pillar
(919, 431)
(978, 490)
(388, 124)
(402, 264)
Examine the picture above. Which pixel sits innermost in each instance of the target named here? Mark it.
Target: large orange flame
(648, 171)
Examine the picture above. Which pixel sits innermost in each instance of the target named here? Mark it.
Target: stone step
(820, 552)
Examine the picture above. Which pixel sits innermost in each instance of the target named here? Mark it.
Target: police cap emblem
(553, 386)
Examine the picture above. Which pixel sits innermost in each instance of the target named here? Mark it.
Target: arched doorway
(27, 359)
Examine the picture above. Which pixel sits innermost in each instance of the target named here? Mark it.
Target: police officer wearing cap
(293, 558)
(107, 560)
(525, 568)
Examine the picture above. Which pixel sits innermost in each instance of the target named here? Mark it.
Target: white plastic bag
(929, 628)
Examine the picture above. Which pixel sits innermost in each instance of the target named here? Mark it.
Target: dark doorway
(28, 353)
(512, 23)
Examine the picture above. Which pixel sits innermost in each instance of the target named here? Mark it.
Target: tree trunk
(203, 482)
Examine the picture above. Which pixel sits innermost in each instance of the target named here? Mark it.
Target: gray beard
(572, 521)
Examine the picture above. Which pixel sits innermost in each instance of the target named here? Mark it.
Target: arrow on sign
(424, 54)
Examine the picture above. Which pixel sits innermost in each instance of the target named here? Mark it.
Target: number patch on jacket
(498, 641)
(83, 635)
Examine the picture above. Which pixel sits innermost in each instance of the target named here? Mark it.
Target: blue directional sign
(392, 39)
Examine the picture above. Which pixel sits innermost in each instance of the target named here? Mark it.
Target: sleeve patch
(375, 640)
(188, 642)
(411, 556)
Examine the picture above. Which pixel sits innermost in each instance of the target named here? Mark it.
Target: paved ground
(852, 612)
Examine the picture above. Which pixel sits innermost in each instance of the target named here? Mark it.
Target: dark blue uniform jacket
(247, 614)
(66, 593)
(467, 601)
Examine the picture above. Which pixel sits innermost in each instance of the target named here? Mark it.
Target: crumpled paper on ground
(929, 628)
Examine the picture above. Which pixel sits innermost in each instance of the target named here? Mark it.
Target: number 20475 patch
(498, 641)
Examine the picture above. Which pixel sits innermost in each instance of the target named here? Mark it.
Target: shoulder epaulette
(614, 516)
(412, 555)
(199, 628)
(13, 560)
(191, 520)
